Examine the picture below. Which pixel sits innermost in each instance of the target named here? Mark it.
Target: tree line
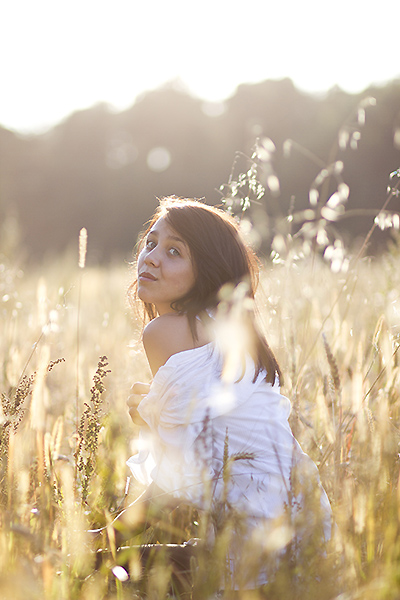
(104, 170)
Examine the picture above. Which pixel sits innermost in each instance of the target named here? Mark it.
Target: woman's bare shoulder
(166, 335)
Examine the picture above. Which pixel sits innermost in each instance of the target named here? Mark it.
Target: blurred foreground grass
(337, 337)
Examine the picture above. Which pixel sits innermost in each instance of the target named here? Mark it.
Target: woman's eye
(150, 244)
(174, 252)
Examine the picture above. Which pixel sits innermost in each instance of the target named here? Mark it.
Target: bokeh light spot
(159, 159)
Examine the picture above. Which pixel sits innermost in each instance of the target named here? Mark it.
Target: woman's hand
(138, 391)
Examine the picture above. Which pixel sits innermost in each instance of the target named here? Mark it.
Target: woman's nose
(152, 257)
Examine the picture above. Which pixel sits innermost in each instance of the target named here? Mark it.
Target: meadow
(70, 350)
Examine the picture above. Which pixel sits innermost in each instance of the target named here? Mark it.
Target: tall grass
(344, 387)
(335, 326)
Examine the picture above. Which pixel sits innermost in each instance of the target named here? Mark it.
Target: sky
(60, 56)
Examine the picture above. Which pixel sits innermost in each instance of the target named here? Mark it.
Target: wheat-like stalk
(89, 429)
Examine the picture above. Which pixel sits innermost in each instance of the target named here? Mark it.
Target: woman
(215, 427)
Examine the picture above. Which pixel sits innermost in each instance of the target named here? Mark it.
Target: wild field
(337, 337)
(70, 350)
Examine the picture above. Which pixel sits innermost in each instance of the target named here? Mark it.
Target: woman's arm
(138, 391)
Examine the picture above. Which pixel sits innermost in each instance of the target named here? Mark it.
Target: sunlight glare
(61, 58)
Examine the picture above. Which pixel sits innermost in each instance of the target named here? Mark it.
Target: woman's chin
(143, 294)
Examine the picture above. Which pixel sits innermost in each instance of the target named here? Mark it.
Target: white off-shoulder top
(193, 415)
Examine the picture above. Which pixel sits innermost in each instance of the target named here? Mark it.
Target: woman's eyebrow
(176, 239)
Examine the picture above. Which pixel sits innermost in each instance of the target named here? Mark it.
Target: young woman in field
(215, 428)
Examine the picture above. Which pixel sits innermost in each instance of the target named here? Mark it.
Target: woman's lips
(147, 276)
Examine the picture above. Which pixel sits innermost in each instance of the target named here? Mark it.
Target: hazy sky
(57, 56)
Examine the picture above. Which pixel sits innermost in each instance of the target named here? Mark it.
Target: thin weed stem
(34, 348)
(77, 371)
(81, 265)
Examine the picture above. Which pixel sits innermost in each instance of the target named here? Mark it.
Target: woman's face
(165, 269)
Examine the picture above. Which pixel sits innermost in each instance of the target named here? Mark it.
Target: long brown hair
(220, 256)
